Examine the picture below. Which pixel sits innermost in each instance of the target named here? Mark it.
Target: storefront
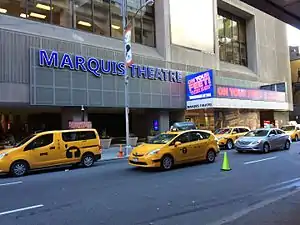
(212, 106)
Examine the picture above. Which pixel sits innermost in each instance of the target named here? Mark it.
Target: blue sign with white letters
(101, 66)
(199, 85)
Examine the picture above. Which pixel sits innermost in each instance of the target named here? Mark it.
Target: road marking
(250, 209)
(20, 210)
(260, 160)
(11, 183)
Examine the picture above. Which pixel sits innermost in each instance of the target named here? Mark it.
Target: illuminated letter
(106, 69)
(93, 66)
(66, 61)
(48, 61)
(80, 63)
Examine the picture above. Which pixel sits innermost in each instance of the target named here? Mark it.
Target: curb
(112, 160)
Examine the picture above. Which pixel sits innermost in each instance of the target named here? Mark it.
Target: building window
(232, 38)
(102, 17)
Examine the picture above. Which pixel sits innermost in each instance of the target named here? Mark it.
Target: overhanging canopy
(287, 11)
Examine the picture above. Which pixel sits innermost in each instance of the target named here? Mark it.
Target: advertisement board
(250, 94)
(80, 125)
(199, 85)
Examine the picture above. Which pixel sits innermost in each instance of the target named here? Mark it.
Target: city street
(260, 189)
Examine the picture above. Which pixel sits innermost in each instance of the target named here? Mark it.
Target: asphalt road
(260, 189)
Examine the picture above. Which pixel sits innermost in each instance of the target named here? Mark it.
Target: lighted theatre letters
(98, 67)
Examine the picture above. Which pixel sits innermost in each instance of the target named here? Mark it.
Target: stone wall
(238, 117)
(281, 118)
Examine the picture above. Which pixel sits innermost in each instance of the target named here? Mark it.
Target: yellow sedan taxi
(293, 131)
(170, 148)
(227, 136)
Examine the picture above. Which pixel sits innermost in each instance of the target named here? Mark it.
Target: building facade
(295, 74)
(62, 61)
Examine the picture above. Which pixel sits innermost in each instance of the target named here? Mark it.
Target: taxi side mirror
(177, 143)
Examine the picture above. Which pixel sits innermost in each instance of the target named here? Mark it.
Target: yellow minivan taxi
(51, 148)
(227, 136)
(170, 148)
(293, 131)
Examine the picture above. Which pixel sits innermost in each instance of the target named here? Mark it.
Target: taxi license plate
(135, 160)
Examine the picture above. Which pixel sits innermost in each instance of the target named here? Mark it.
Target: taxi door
(235, 134)
(182, 152)
(197, 146)
(42, 151)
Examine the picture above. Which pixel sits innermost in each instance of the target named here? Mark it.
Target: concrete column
(162, 27)
(71, 114)
(164, 121)
(66, 14)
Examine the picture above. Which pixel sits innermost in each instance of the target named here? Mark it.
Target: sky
(293, 35)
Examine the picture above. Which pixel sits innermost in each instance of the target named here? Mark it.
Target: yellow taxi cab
(293, 131)
(51, 148)
(227, 136)
(175, 147)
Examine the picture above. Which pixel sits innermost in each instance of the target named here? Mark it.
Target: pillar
(164, 121)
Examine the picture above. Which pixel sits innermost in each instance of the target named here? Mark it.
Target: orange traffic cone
(120, 153)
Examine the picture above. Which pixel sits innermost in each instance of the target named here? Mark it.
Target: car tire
(266, 148)
(287, 145)
(87, 160)
(19, 168)
(229, 144)
(296, 138)
(167, 162)
(211, 156)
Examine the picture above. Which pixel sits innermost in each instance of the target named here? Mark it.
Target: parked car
(293, 131)
(51, 148)
(263, 140)
(180, 126)
(170, 148)
(227, 136)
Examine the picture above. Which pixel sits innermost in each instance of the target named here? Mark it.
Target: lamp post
(128, 59)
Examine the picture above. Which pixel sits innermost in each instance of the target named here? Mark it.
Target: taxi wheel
(87, 160)
(167, 162)
(296, 138)
(210, 156)
(229, 144)
(19, 168)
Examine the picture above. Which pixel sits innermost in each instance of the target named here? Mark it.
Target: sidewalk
(112, 152)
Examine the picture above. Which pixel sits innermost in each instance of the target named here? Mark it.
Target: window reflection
(232, 38)
(62, 13)
(83, 15)
(101, 17)
(98, 16)
(116, 20)
(132, 7)
(13, 8)
(39, 11)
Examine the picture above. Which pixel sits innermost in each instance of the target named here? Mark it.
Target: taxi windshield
(24, 140)
(257, 133)
(288, 128)
(223, 131)
(162, 138)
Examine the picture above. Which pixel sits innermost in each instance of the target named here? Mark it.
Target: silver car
(263, 140)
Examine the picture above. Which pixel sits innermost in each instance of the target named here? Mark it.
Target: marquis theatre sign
(99, 67)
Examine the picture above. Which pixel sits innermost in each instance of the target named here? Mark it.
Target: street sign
(127, 41)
